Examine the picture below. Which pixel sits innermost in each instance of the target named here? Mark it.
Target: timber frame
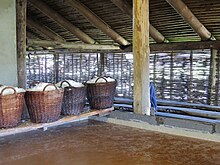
(106, 26)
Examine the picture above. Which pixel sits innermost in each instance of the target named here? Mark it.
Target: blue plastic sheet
(153, 98)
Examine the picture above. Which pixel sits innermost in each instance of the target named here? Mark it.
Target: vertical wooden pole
(64, 66)
(190, 94)
(56, 68)
(171, 75)
(141, 52)
(80, 67)
(89, 62)
(217, 78)
(72, 65)
(21, 6)
(212, 73)
(155, 63)
(101, 64)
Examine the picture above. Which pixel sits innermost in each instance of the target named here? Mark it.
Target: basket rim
(74, 87)
(20, 93)
(56, 90)
(102, 83)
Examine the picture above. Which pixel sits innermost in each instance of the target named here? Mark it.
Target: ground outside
(100, 143)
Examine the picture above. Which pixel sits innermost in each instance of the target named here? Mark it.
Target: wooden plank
(44, 8)
(28, 126)
(141, 57)
(21, 7)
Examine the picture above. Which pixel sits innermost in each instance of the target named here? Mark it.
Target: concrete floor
(99, 143)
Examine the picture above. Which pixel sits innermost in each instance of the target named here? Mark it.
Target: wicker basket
(44, 106)
(11, 107)
(101, 95)
(74, 99)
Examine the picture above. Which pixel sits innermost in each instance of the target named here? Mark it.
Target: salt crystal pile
(9, 91)
(41, 86)
(100, 80)
(71, 82)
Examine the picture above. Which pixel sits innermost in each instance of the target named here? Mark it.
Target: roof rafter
(41, 28)
(70, 45)
(127, 9)
(30, 35)
(97, 21)
(190, 18)
(44, 8)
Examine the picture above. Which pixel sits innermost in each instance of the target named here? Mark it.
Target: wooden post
(21, 6)
(141, 57)
(190, 94)
(171, 75)
(56, 68)
(212, 73)
(102, 64)
(155, 63)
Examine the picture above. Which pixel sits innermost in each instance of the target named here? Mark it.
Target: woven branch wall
(182, 76)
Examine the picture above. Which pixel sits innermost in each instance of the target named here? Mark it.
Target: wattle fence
(182, 76)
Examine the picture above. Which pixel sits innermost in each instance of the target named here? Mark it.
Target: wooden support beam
(44, 8)
(97, 21)
(212, 77)
(21, 7)
(141, 57)
(101, 68)
(194, 45)
(41, 28)
(71, 45)
(190, 18)
(127, 9)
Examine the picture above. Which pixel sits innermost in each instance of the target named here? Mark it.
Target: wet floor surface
(97, 143)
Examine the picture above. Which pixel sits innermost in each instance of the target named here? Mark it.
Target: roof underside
(162, 16)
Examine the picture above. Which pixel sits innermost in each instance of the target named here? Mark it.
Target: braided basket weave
(74, 99)
(11, 107)
(101, 95)
(44, 106)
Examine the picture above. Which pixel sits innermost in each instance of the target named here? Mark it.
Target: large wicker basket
(74, 99)
(44, 106)
(101, 95)
(11, 107)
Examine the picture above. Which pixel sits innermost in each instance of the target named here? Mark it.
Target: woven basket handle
(1, 85)
(100, 78)
(8, 88)
(49, 85)
(65, 82)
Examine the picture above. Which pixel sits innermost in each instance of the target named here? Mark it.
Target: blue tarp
(153, 98)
